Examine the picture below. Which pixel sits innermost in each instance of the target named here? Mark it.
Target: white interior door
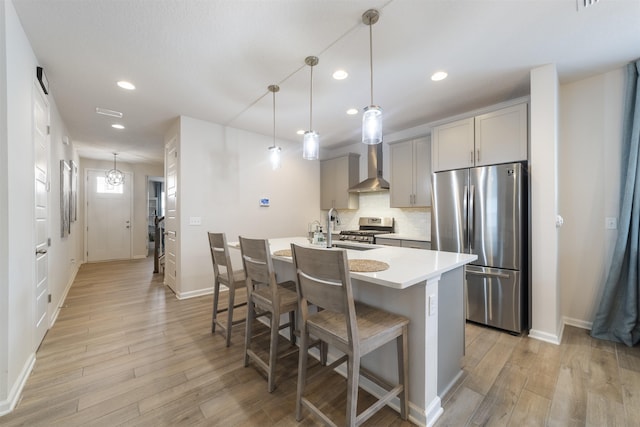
(41, 156)
(108, 217)
(171, 214)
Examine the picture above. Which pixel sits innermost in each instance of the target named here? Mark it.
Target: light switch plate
(195, 220)
(611, 223)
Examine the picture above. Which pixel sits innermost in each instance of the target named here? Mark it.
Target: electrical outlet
(433, 305)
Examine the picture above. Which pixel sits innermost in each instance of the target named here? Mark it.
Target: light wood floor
(125, 351)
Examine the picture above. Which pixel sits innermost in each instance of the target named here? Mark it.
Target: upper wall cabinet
(336, 177)
(497, 137)
(410, 185)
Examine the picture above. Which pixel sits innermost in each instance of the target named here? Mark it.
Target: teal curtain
(617, 316)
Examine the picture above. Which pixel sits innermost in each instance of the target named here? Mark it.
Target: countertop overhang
(407, 266)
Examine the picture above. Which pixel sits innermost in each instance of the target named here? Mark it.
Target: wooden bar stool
(224, 274)
(354, 329)
(266, 297)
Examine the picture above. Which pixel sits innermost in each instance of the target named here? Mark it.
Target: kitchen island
(425, 286)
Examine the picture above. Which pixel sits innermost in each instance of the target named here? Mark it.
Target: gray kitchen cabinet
(337, 175)
(410, 174)
(388, 242)
(405, 243)
(498, 136)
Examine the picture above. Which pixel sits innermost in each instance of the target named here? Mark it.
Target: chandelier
(114, 177)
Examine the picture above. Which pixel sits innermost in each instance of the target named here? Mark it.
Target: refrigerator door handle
(481, 273)
(471, 218)
(465, 223)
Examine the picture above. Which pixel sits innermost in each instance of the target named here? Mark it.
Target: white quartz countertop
(397, 236)
(407, 266)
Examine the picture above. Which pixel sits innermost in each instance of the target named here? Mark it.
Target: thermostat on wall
(264, 201)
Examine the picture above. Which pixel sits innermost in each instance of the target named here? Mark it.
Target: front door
(41, 156)
(108, 217)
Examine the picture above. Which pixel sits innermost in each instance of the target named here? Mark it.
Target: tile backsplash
(408, 221)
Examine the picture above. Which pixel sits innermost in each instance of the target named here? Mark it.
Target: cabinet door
(327, 184)
(422, 165)
(336, 177)
(402, 175)
(453, 145)
(501, 136)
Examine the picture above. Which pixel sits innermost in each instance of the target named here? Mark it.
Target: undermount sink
(353, 247)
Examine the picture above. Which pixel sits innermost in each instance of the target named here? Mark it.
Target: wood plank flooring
(125, 351)
(518, 381)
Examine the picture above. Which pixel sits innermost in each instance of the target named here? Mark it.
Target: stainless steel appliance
(483, 211)
(369, 227)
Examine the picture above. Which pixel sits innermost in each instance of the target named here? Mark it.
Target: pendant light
(372, 117)
(311, 143)
(274, 150)
(114, 177)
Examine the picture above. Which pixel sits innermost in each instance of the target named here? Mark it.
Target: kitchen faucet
(332, 215)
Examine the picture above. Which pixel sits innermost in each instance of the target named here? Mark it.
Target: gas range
(369, 227)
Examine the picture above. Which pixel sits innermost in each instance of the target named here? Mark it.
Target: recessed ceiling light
(340, 74)
(126, 85)
(300, 132)
(439, 75)
(352, 111)
(110, 113)
(117, 126)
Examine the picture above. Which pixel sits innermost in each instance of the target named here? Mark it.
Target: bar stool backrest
(323, 280)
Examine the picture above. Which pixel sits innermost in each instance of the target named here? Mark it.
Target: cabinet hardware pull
(478, 158)
(471, 157)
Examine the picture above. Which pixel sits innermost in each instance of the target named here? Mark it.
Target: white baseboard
(545, 336)
(8, 405)
(194, 294)
(139, 257)
(582, 324)
(59, 305)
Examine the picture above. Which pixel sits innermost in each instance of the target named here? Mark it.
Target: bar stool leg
(403, 371)
(353, 377)
(216, 296)
(248, 331)
(273, 350)
(232, 295)
(302, 372)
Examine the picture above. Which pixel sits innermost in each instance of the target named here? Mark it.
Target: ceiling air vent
(583, 4)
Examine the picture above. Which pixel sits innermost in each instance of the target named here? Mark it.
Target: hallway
(125, 351)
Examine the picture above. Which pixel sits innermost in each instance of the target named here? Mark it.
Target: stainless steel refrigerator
(483, 211)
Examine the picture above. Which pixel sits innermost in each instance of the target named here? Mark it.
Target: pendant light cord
(311, 102)
(274, 119)
(371, 57)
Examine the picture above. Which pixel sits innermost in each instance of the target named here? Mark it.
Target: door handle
(471, 216)
(41, 251)
(481, 273)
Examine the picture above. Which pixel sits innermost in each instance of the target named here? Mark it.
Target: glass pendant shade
(372, 125)
(310, 145)
(274, 157)
(114, 177)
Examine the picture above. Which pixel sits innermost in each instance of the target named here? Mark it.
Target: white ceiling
(213, 60)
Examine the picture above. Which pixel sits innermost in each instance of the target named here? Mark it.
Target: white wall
(591, 116)
(4, 213)
(17, 261)
(139, 222)
(21, 65)
(223, 172)
(545, 304)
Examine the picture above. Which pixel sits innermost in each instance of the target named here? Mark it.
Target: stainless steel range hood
(374, 181)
